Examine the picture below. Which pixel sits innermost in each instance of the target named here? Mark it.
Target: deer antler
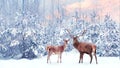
(69, 32)
(83, 33)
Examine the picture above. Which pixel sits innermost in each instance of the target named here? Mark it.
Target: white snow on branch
(14, 43)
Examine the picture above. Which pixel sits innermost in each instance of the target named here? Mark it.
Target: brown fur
(84, 47)
(56, 50)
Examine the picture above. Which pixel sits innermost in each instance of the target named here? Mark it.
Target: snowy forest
(27, 26)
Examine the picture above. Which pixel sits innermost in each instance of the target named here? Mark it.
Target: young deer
(84, 47)
(56, 50)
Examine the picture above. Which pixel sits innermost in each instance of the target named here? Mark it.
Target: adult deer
(56, 50)
(84, 47)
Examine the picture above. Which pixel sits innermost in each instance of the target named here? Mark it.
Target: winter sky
(101, 6)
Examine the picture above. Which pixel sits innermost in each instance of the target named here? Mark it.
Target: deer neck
(65, 44)
(75, 43)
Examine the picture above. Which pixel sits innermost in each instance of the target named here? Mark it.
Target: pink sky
(103, 7)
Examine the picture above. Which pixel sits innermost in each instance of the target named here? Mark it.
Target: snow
(14, 43)
(14, 31)
(69, 60)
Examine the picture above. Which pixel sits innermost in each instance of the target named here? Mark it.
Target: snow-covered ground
(69, 60)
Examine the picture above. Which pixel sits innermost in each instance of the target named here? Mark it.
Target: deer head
(75, 38)
(66, 41)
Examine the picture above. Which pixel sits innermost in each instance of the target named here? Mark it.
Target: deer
(57, 50)
(83, 47)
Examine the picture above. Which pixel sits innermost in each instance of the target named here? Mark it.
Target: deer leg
(79, 58)
(82, 58)
(48, 58)
(81, 54)
(95, 57)
(60, 58)
(90, 58)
